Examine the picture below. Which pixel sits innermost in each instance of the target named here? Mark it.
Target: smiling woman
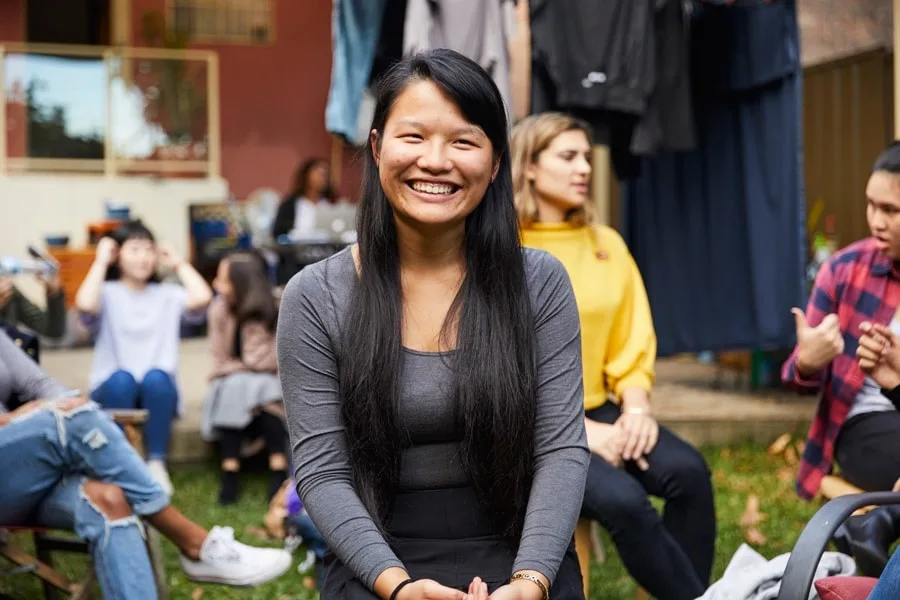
(432, 375)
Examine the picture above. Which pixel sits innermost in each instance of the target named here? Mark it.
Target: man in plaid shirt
(855, 424)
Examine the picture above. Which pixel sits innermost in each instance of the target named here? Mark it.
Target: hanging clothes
(668, 122)
(719, 232)
(355, 27)
(620, 65)
(478, 29)
(592, 54)
(390, 39)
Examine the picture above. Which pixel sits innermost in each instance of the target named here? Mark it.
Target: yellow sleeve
(632, 341)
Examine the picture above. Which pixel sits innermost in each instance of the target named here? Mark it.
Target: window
(234, 21)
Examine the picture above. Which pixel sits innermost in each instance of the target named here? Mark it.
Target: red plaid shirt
(858, 283)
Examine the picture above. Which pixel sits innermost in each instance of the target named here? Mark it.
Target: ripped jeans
(45, 458)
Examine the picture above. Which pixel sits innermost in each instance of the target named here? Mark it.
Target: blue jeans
(156, 393)
(312, 539)
(46, 456)
(888, 586)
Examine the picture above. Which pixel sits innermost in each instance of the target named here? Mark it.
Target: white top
(139, 330)
(305, 216)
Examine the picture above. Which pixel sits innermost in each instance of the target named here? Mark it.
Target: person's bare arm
(89, 298)
(199, 294)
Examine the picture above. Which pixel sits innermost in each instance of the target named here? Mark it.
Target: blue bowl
(56, 241)
(118, 214)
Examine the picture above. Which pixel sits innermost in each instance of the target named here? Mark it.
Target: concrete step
(684, 399)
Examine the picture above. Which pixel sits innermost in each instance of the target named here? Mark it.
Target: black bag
(28, 342)
(30, 345)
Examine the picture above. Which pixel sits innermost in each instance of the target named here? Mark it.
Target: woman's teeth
(432, 188)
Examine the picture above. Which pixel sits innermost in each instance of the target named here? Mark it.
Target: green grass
(738, 472)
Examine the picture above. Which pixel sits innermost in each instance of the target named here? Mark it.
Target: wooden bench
(585, 549)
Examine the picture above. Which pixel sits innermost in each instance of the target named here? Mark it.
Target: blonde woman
(632, 457)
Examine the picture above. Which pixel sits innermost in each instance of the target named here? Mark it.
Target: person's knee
(157, 378)
(691, 472)
(107, 498)
(122, 382)
(625, 506)
(158, 385)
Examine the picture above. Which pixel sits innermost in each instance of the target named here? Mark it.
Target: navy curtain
(719, 232)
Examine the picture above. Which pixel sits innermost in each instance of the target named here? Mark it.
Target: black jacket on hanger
(592, 54)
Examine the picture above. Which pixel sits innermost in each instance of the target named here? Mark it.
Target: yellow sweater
(617, 337)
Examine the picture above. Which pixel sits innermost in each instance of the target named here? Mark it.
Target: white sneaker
(225, 560)
(161, 475)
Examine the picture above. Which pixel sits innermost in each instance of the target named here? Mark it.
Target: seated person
(312, 187)
(68, 466)
(139, 321)
(245, 394)
(17, 310)
(633, 457)
(855, 425)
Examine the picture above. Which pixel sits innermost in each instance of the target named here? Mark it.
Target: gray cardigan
(22, 377)
(310, 320)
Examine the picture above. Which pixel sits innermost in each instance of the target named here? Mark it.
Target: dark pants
(868, 450)
(156, 392)
(271, 428)
(670, 556)
(444, 535)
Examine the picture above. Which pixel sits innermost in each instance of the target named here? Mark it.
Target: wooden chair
(584, 547)
(46, 542)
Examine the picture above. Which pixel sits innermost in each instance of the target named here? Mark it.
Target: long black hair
(254, 299)
(129, 230)
(494, 363)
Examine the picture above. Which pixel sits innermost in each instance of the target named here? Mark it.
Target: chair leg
(583, 549)
(85, 588)
(44, 555)
(154, 550)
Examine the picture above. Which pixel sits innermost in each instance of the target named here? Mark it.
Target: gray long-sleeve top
(20, 375)
(310, 320)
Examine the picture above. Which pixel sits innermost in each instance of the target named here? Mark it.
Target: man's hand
(606, 441)
(817, 346)
(879, 355)
(52, 284)
(63, 404)
(6, 291)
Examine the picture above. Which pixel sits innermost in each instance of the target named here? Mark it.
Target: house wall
(36, 205)
(273, 97)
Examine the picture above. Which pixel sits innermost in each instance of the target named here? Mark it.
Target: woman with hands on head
(633, 457)
(139, 323)
(432, 373)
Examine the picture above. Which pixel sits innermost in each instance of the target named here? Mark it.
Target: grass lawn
(738, 473)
